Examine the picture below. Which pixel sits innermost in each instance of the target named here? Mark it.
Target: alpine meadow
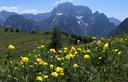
(63, 41)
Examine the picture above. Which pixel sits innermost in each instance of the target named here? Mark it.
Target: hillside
(103, 60)
(114, 20)
(121, 29)
(27, 41)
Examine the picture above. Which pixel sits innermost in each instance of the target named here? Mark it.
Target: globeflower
(88, 51)
(40, 47)
(69, 56)
(86, 56)
(54, 74)
(98, 42)
(24, 59)
(62, 74)
(40, 61)
(44, 63)
(11, 47)
(59, 70)
(45, 76)
(73, 49)
(51, 66)
(75, 65)
(106, 46)
(75, 53)
(39, 78)
(52, 50)
(65, 50)
(59, 59)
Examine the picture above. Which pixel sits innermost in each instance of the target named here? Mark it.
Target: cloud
(18, 10)
(62, 1)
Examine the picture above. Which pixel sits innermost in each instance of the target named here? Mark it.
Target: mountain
(114, 20)
(100, 25)
(4, 15)
(121, 29)
(19, 22)
(73, 19)
(37, 17)
(79, 20)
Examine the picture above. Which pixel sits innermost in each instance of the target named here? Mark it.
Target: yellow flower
(39, 61)
(65, 48)
(60, 51)
(70, 56)
(62, 63)
(62, 58)
(52, 50)
(75, 53)
(59, 70)
(39, 73)
(51, 66)
(24, 59)
(42, 46)
(75, 65)
(98, 42)
(88, 51)
(11, 47)
(73, 49)
(45, 76)
(54, 74)
(39, 78)
(87, 56)
(79, 49)
(44, 63)
(62, 74)
(59, 59)
(106, 46)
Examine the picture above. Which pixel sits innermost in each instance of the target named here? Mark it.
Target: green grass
(25, 42)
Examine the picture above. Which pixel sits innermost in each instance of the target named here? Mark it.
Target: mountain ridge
(114, 20)
(72, 19)
(121, 29)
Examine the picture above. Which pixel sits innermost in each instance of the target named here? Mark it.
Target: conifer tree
(56, 38)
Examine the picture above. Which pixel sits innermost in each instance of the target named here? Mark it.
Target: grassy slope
(25, 42)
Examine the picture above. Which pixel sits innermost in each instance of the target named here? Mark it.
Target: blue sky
(112, 8)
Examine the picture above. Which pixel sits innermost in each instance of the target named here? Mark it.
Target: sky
(112, 8)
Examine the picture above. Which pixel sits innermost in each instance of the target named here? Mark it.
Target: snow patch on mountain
(59, 14)
(79, 19)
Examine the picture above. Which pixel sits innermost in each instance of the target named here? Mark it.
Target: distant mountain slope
(19, 22)
(121, 29)
(4, 15)
(100, 25)
(114, 20)
(37, 17)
